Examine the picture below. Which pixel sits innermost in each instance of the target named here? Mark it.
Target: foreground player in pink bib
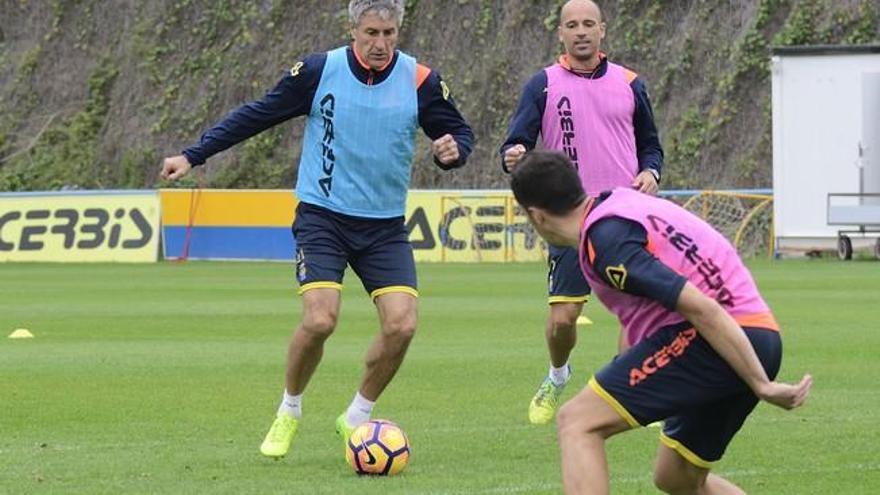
(704, 346)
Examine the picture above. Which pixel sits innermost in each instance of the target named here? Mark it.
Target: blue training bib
(359, 140)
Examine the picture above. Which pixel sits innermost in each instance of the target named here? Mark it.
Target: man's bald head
(576, 6)
(581, 31)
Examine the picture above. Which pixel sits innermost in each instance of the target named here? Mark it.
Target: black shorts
(676, 376)
(565, 280)
(378, 250)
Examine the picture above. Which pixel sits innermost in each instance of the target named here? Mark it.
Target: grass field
(163, 379)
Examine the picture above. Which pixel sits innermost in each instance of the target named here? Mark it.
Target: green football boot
(544, 403)
(280, 435)
(343, 430)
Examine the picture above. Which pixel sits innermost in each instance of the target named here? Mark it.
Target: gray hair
(387, 9)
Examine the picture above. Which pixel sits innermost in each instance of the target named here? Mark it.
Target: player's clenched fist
(175, 167)
(513, 155)
(445, 149)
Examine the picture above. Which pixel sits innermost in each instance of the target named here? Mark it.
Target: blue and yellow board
(228, 224)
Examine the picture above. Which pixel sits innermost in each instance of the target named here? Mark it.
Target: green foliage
(865, 29)
(641, 26)
(57, 18)
(801, 26)
(169, 69)
(66, 155)
(751, 55)
(262, 162)
(137, 168)
(685, 149)
(766, 10)
(485, 17)
(188, 62)
(551, 21)
(697, 133)
(29, 63)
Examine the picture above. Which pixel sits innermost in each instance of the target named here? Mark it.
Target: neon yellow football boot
(280, 435)
(343, 430)
(543, 405)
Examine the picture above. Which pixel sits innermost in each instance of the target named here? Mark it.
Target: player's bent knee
(588, 414)
(560, 325)
(567, 418)
(576, 416)
(563, 316)
(320, 325)
(400, 328)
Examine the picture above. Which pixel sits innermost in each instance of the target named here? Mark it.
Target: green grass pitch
(164, 378)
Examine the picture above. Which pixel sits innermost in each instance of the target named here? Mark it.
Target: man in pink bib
(703, 346)
(598, 114)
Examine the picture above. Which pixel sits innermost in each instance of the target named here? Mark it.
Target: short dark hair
(547, 180)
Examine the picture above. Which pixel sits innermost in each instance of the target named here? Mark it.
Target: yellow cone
(21, 333)
(583, 320)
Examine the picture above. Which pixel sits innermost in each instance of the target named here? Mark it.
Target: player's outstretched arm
(725, 336)
(291, 97)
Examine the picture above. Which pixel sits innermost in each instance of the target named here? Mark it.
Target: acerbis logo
(566, 124)
(660, 359)
(483, 226)
(328, 158)
(92, 229)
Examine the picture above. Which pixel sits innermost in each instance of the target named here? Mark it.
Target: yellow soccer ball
(377, 447)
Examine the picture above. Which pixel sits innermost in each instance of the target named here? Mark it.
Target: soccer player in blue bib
(363, 104)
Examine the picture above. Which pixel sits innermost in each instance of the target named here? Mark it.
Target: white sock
(560, 375)
(359, 410)
(291, 405)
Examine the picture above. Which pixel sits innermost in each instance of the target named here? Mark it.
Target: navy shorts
(676, 376)
(378, 250)
(565, 280)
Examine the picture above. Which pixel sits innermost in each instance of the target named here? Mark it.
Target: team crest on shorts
(300, 265)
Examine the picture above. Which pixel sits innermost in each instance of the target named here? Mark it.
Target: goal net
(746, 219)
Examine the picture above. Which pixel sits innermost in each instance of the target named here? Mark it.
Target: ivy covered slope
(93, 94)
